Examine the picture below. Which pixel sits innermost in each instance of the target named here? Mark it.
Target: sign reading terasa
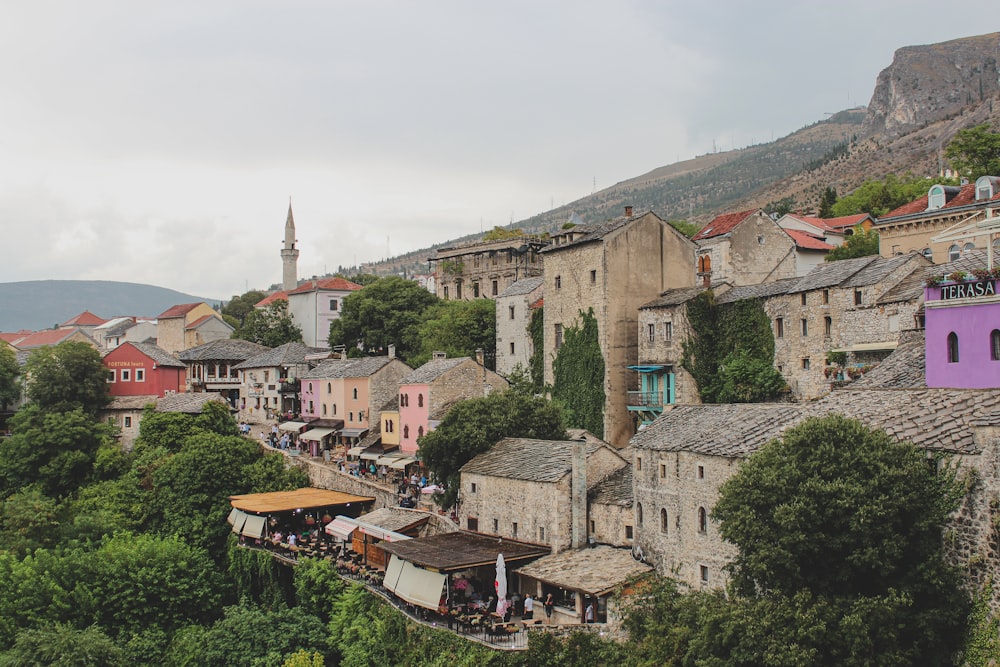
(968, 290)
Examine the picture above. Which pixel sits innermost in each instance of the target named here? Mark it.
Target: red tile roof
(538, 304)
(723, 224)
(177, 311)
(268, 300)
(834, 224)
(807, 241)
(332, 284)
(15, 336)
(44, 338)
(84, 319)
(965, 197)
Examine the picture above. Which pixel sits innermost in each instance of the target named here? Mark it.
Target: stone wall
(540, 510)
(609, 523)
(483, 264)
(514, 330)
(662, 350)
(467, 380)
(383, 388)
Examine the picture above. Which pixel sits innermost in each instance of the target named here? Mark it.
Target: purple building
(962, 322)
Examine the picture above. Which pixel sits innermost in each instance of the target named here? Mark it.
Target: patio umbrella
(501, 585)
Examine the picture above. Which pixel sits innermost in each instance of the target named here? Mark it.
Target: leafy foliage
(472, 427)
(780, 207)
(536, 364)
(28, 521)
(388, 311)
(744, 378)
(65, 377)
(271, 326)
(459, 328)
(827, 201)
(878, 197)
(686, 228)
(975, 151)
(169, 430)
(10, 388)
(62, 645)
(502, 234)
(858, 244)
(578, 374)
(239, 307)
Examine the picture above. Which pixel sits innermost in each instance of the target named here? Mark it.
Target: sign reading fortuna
(968, 290)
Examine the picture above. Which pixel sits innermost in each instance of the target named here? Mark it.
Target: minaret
(289, 255)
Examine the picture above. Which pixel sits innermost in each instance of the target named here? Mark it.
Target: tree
(827, 201)
(473, 426)
(240, 306)
(67, 376)
(744, 378)
(502, 234)
(858, 244)
(10, 389)
(686, 228)
(28, 521)
(62, 645)
(578, 373)
(388, 311)
(975, 151)
(271, 326)
(459, 328)
(536, 364)
(363, 279)
(843, 523)
(878, 197)
(780, 207)
(169, 430)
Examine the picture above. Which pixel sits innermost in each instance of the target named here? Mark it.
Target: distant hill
(42, 304)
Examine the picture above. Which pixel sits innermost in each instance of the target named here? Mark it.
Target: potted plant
(982, 274)
(957, 276)
(933, 281)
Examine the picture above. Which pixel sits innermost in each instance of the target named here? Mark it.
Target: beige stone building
(535, 490)
(269, 380)
(189, 325)
(744, 248)
(613, 268)
(911, 227)
(513, 306)
(484, 269)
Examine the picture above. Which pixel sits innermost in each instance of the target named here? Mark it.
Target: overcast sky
(159, 142)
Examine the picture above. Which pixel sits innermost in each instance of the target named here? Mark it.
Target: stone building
(269, 380)
(912, 226)
(744, 248)
(535, 490)
(613, 268)
(513, 307)
(315, 304)
(189, 325)
(484, 269)
(212, 366)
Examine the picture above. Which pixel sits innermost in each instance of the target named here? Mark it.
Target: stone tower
(289, 255)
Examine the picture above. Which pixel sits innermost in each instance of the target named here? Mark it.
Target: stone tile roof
(807, 241)
(461, 550)
(22, 357)
(115, 327)
(595, 571)
(177, 311)
(759, 291)
(933, 419)
(910, 288)
(527, 459)
(674, 297)
(326, 284)
(973, 259)
(224, 349)
(615, 489)
(394, 518)
(348, 368)
(832, 274)
(595, 233)
(723, 224)
(903, 369)
(524, 286)
(432, 370)
(875, 272)
(130, 402)
(283, 355)
(84, 319)
(158, 354)
(188, 403)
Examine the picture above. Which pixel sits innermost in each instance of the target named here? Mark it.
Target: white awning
(342, 527)
(392, 572)
(254, 527)
(294, 427)
(355, 451)
(399, 464)
(380, 533)
(386, 460)
(869, 347)
(417, 585)
(371, 456)
(236, 519)
(316, 434)
(353, 432)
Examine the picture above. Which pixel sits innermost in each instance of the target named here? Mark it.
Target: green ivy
(536, 365)
(578, 372)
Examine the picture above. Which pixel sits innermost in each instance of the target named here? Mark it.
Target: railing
(643, 399)
(290, 387)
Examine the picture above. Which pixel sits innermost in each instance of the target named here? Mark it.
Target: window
(652, 332)
(668, 331)
(496, 525)
(406, 432)
(310, 407)
(928, 253)
(638, 463)
(324, 408)
(593, 527)
(354, 394)
(705, 264)
(952, 348)
(334, 409)
(541, 533)
(446, 298)
(388, 426)
(805, 364)
(361, 413)
(935, 197)
(472, 487)
(664, 522)
(663, 471)
(826, 296)
(329, 388)
(126, 375)
(511, 310)
(954, 252)
(559, 336)
(310, 388)
(140, 375)
(827, 326)
(496, 288)
(638, 513)
(802, 297)
(968, 247)
(779, 327)
(475, 290)
(702, 520)
(512, 348)
(995, 345)
(701, 472)
(333, 304)
(472, 524)
(704, 574)
(267, 376)
(593, 276)
(513, 529)
(128, 422)
(420, 400)
(857, 297)
(558, 282)
(404, 400)
(628, 532)
(805, 327)
(350, 416)
(420, 431)
(110, 377)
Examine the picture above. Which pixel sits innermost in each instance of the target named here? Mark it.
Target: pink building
(962, 333)
(315, 304)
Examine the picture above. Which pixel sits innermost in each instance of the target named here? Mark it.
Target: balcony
(645, 399)
(289, 386)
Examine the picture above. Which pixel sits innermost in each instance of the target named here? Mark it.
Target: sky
(161, 142)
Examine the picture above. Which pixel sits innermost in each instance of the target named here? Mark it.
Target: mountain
(919, 102)
(41, 304)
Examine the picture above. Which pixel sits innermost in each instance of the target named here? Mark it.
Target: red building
(143, 369)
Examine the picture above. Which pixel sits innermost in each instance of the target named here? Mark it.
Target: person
(549, 604)
(423, 481)
(291, 539)
(529, 607)
(588, 613)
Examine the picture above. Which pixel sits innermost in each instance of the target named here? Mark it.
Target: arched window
(310, 387)
(388, 426)
(350, 416)
(329, 388)
(324, 409)
(702, 520)
(638, 513)
(355, 393)
(664, 524)
(952, 348)
(420, 400)
(402, 400)
(334, 408)
(928, 253)
(935, 197)
(954, 252)
(420, 431)
(968, 247)
(406, 432)
(995, 345)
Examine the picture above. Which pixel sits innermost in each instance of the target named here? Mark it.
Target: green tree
(67, 376)
(363, 279)
(10, 388)
(975, 151)
(459, 328)
(473, 426)
(578, 374)
(28, 521)
(169, 430)
(827, 201)
(686, 228)
(878, 197)
(240, 306)
(747, 379)
(858, 244)
(388, 311)
(271, 326)
(780, 207)
(502, 234)
(536, 364)
(62, 645)
(842, 523)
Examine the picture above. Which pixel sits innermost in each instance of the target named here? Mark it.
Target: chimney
(439, 355)
(479, 356)
(578, 495)
(628, 211)
(392, 351)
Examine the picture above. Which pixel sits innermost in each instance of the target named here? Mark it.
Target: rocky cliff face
(930, 83)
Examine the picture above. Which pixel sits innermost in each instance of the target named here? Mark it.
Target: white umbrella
(501, 585)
